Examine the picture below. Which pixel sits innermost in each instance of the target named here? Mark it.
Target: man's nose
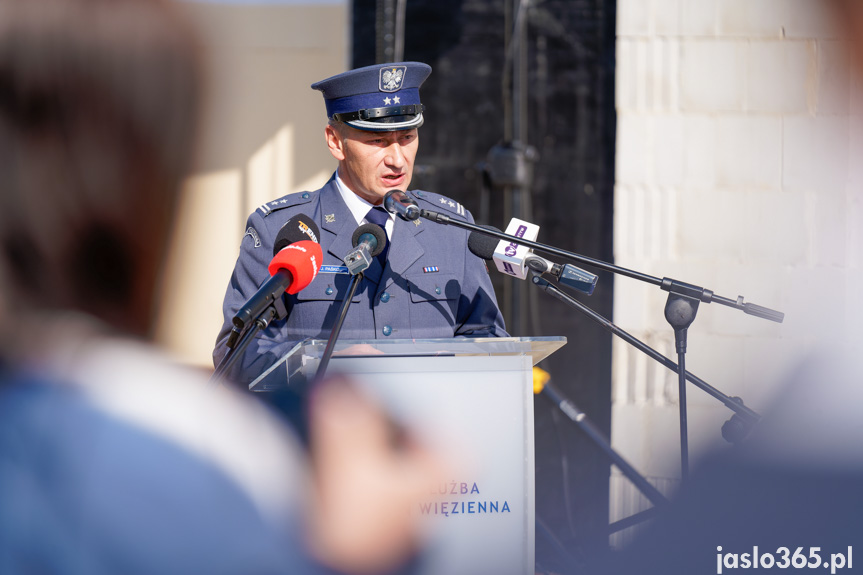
(395, 158)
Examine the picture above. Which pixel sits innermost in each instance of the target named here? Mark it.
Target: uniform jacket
(431, 287)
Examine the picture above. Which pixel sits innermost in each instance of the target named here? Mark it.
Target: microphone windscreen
(375, 230)
(298, 228)
(302, 259)
(482, 245)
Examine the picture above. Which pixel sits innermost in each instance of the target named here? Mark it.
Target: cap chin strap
(375, 113)
(365, 126)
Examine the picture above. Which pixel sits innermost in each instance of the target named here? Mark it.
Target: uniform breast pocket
(434, 301)
(314, 310)
(329, 287)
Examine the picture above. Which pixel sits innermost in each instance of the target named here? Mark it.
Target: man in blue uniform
(426, 285)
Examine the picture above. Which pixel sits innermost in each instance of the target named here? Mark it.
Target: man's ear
(335, 143)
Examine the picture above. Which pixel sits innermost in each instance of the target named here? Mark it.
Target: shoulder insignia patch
(445, 203)
(285, 202)
(254, 233)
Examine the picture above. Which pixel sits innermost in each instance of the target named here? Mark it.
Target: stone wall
(733, 172)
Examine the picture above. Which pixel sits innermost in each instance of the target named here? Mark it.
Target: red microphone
(294, 266)
(301, 260)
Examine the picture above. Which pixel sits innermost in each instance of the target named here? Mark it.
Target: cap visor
(379, 126)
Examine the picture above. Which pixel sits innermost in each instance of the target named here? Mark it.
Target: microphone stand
(680, 309)
(262, 322)
(235, 350)
(580, 419)
(358, 261)
(733, 431)
(337, 327)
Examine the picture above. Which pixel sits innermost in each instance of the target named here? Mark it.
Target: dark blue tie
(379, 216)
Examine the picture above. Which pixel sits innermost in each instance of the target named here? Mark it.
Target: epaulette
(438, 202)
(288, 201)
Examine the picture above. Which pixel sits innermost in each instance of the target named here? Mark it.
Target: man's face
(373, 163)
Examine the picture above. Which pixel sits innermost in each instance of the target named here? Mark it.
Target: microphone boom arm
(729, 402)
(666, 284)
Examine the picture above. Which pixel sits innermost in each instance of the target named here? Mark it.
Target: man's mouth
(394, 178)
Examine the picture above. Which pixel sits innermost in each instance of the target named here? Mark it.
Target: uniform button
(306, 196)
(329, 291)
(385, 297)
(437, 290)
(420, 194)
(387, 330)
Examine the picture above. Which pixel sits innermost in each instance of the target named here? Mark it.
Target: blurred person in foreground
(789, 499)
(113, 459)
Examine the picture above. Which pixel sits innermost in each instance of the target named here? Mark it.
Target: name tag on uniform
(334, 270)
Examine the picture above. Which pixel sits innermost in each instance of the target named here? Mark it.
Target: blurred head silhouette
(98, 111)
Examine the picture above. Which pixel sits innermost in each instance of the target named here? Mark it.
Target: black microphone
(296, 260)
(368, 240)
(399, 203)
(483, 246)
(298, 228)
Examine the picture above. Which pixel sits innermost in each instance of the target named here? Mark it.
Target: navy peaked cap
(379, 98)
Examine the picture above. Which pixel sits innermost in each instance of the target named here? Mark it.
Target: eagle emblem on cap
(391, 78)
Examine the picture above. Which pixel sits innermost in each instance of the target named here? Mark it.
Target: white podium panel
(471, 399)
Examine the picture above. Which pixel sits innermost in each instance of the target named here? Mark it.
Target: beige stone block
(829, 221)
(699, 154)
(633, 17)
(625, 75)
(669, 149)
(815, 304)
(749, 152)
(834, 78)
(781, 77)
(634, 150)
(699, 19)
(712, 75)
(666, 17)
(710, 225)
(637, 305)
(815, 154)
(752, 18)
(776, 228)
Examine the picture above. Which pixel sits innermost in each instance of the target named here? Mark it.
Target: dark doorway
(571, 124)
